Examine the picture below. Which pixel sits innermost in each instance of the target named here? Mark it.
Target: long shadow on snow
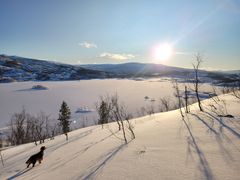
(203, 163)
(70, 140)
(222, 126)
(21, 172)
(220, 121)
(103, 160)
(227, 156)
(210, 127)
(81, 151)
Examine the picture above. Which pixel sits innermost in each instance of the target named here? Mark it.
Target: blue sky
(110, 31)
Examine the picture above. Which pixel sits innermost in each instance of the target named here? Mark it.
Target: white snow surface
(200, 146)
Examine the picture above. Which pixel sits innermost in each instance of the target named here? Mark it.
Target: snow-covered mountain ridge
(14, 68)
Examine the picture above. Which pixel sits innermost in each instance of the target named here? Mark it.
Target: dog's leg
(34, 162)
(40, 161)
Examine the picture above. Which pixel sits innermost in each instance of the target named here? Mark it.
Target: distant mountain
(138, 69)
(13, 68)
(159, 70)
(231, 72)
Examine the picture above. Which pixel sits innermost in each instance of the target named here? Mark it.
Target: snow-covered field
(200, 146)
(80, 94)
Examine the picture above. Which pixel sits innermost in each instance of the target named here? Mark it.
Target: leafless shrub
(26, 128)
(236, 93)
(17, 128)
(109, 109)
(42, 127)
(54, 130)
(150, 109)
(164, 104)
(226, 90)
(219, 106)
(141, 112)
(236, 89)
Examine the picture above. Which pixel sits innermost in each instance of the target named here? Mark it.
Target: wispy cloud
(88, 45)
(115, 56)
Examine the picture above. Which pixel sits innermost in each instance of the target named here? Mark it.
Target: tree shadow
(218, 136)
(72, 139)
(223, 125)
(210, 127)
(103, 160)
(78, 153)
(21, 172)
(203, 163)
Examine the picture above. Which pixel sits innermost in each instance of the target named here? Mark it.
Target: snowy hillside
(13, 68)
(203, 145)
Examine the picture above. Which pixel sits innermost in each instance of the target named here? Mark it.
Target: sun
(162, 52)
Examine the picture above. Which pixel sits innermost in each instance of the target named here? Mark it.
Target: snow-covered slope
(13, 68)
(200, 146)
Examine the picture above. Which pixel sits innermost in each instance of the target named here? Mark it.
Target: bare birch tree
(110, 110)
(178, 96)
(196, 67)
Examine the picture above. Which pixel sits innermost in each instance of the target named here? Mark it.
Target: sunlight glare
(162, 52)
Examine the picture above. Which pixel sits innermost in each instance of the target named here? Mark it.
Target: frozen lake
(77, 94)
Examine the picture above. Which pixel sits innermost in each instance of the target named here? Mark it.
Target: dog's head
(42, 148)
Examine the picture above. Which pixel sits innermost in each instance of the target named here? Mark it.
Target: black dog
(36, 157)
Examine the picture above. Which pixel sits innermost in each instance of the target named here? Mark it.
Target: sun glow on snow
(162, 52)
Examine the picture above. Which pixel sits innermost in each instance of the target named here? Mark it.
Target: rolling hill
(13, 68)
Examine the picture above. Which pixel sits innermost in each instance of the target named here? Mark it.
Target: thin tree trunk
(1, 157)
(196, 69)
(130, 128)
(123, 130)
(186, 100)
